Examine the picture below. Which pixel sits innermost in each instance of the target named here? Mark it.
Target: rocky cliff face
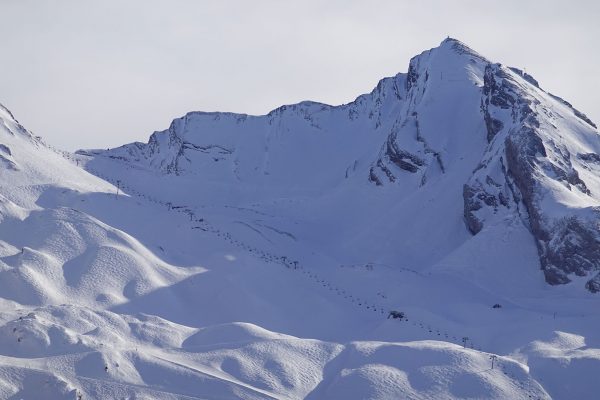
(499, 145)
(533, 165)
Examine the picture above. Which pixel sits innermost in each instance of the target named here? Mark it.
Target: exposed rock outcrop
(540, 163)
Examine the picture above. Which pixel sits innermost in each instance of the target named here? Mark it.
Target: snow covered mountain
(237, 256)
(454, 120)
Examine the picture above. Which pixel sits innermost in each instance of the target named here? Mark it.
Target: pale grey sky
(84, 73)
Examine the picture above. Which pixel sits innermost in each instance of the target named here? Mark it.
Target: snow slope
(254, 257)
(98, 302)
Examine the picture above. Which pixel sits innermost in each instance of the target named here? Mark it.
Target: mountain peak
(451, 41)
(458, 46)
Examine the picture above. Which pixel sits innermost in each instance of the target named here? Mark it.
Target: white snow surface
(256, 257)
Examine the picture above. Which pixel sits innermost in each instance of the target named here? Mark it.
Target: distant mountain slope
(485, 137)
(305, 145)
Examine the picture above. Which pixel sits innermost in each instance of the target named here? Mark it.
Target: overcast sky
(101, 73)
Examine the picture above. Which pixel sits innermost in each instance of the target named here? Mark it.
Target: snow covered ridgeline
(500, 144)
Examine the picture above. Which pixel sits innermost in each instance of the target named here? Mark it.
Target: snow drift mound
(74, 255)
(53, 254)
